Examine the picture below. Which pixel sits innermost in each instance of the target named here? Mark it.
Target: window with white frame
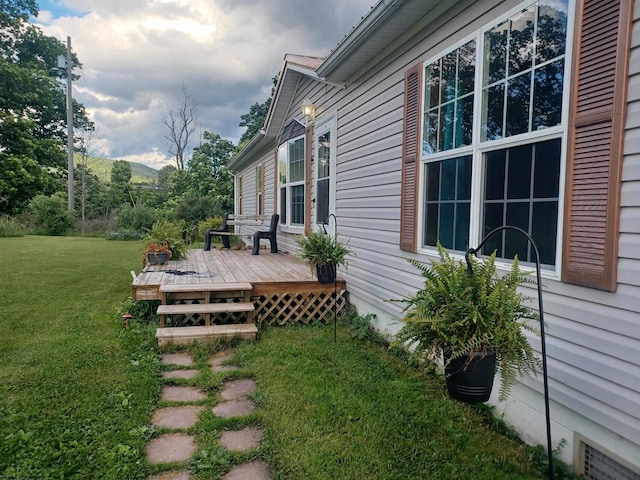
(324, 170)
(291, 176)
(260, 189)
(493, 135)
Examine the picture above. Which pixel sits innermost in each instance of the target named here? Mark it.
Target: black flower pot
(471, 380)
(157, 258)
(326, 273)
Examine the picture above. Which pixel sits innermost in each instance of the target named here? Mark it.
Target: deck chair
(210, 232)
(269, 234)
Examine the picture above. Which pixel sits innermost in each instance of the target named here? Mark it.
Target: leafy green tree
(32, 105)
(254, 120)
(51, 213)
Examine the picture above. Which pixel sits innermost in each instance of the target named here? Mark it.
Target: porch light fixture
(308, 110)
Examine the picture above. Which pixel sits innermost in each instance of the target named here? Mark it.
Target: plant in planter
(156, 254)
(166, 235)
(469, 318)
(323, 253)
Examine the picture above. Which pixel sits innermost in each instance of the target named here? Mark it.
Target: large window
(503, 162)
(324, 166)
(291, 182)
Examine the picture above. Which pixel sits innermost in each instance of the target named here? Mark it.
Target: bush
(194, 208)
(52, 213)
(164, 232)
(9, 227)
(139, 218)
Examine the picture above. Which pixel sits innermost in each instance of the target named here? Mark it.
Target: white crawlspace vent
(597, 465)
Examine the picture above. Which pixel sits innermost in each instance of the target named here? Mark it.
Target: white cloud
(137, 56)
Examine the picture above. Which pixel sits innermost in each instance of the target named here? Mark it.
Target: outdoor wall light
(308, 110)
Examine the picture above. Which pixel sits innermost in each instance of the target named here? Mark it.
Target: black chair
(269, 234)
(210, 232)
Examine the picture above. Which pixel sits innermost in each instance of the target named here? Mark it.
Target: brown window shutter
(595, 147)
(308, 178)
(410, 158)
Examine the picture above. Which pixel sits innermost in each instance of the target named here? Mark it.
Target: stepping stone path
(233, 402)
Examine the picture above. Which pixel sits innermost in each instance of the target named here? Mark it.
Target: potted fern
(474, 322)
(323, 253)
(164, 237)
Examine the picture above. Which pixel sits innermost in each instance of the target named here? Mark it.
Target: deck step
(205, 287)
(193, 308)
(186, 335)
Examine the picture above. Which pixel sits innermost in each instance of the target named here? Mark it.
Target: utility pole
(69, 127)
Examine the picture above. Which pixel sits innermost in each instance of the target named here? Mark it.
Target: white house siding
(593, 337)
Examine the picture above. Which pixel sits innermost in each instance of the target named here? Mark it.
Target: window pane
(447, 115)
(494, 109)
(447, 208)
(282, 164)
(433, 181)
(448, 180)
(445, 226)
(493, 218)
(547, 98)
(432, 79)
(466, 68)
(283, 205)
(515, 242)
(463, 217)
(519, 177)
(552, 30)
(448, 83)
(297, 205)
(430, 141)
(324, 155)
(322, 201)
(536, 165)
(464, 121)
(495, 42)
(495, 174)
(431, 225)
(521, 42)
(518, 101)
(544, 230)
(296, 160)
(546, 182)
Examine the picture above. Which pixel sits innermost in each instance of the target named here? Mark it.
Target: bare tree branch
(181, 125)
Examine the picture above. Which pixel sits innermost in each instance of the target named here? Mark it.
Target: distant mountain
(101, 167)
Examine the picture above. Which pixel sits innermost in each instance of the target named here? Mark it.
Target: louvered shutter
(596, 133)
(410, 158)
(276, 181)
(308, 178)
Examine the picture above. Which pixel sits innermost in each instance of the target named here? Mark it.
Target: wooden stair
(208, 302)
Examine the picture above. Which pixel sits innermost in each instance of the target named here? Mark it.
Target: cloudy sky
(137, 56)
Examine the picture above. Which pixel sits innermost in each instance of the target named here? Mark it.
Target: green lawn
(77, 392)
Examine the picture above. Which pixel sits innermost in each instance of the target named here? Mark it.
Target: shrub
(139, 218)
(52, 213)
(164, 232)
(194, 208)
(9, 227)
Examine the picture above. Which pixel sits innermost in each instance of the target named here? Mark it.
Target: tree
(32, 105)
(121, 174)
(181, 125)
(254, 120)
(209, 175)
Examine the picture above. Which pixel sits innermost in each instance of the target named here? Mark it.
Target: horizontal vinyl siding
(592, 335)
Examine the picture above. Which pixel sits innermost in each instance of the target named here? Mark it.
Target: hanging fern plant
(462, 314)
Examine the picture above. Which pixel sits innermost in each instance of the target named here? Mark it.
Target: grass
(77, 391)
(72, 402)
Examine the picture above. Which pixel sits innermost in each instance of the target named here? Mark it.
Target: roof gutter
(253, 143)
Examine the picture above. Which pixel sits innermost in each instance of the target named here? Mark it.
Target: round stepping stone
(182, 359)
(181, 475)
(172, 393)
(241, 440)
(176, 417)
(237, 389)
(174, 447)
(234, 408)
(180, 374)
(255, 470)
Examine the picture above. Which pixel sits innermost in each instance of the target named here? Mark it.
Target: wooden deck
(284, 290)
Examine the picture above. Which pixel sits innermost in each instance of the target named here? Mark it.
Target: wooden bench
(238, 221)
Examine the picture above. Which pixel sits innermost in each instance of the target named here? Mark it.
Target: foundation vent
(598, 465)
